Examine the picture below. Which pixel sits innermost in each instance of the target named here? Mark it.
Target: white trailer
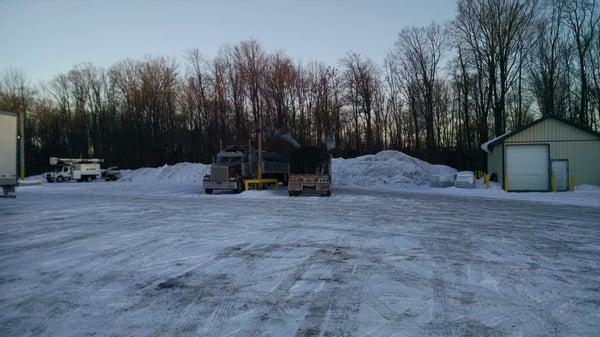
(66, 169)
(8, 153)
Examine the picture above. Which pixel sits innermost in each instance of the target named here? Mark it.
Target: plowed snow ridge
(178, 173)
(387, 168)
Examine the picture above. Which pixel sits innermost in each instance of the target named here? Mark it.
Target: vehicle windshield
(229, 161)
(58, 168)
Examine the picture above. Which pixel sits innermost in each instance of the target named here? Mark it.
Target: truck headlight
(206, 177)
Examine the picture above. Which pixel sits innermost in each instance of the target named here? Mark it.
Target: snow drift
(386, 169)
(178, 173)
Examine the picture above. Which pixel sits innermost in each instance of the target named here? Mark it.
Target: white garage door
(527, 167)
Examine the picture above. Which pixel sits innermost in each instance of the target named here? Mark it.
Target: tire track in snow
(345, 307)
(187, 289)
(273, 300)
(383, 309)
(217, 318)
(333, 310)
(283, 288)
(321, 303)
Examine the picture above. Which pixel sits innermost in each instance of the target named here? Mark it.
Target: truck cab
(231, 167)
(59, 174)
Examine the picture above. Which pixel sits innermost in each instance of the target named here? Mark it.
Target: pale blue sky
(44, 38)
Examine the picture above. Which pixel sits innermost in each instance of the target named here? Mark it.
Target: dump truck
(309, 171)
(79, 169)
(8, 153)
(237, 163)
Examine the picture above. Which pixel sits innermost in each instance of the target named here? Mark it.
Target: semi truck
(237, 163)
(79, 169)
(8, 153)
(309, 171)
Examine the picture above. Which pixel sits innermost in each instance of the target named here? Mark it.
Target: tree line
(442, 90)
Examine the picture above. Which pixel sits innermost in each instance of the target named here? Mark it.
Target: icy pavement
(123, 259)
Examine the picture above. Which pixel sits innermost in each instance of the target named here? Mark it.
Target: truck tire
(240, 187)
(59, 179)
(208, 191)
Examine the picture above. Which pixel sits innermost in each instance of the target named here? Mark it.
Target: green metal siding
(551, 130)
(580, 148)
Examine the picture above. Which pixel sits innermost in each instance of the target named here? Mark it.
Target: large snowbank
(178, 173)
(385, 169)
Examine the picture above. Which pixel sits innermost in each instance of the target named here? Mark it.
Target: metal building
(550, 153)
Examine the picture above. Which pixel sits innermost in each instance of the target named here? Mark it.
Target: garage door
(527, 167)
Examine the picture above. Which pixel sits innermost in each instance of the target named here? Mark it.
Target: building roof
(487, 145)
(8, 113)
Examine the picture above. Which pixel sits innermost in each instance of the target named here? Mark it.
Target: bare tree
(252, 62)
(583, 21)
(546, 66)
(491, 31)
(420, 51)
(360, 76)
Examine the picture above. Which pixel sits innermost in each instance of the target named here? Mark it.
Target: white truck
(66, 169)
(8, 153)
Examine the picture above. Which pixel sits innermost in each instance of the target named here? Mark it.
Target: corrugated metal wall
(580, 148)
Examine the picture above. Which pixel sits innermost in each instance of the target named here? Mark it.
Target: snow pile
(29, 181)
(385, 169)
(178, 173)
(442, 176)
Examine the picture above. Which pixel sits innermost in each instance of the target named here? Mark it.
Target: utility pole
(260, 157)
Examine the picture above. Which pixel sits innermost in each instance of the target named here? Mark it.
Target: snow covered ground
(145, 259)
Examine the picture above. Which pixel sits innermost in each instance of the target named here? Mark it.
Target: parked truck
(309, 170)
(8, 153)
(111, 174)
(236, 163)
(66, 169)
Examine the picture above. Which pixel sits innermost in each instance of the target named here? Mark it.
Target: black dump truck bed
(309, 160)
